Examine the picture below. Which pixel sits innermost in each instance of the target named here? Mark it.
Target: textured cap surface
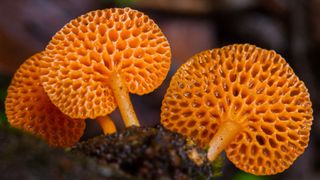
(255, 88)
(29, 108)
(84, 53)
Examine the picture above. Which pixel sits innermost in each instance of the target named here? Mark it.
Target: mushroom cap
(29, 108)
(83, 54)
(251, 86)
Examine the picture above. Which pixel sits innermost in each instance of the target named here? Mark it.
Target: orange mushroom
(95, 60)
(244, 100)
(29, 108)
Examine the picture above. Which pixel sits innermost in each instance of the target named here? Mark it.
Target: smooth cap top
(83, 54)
(251, 86)
(29, 108)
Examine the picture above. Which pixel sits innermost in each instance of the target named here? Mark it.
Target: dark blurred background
(291, 27)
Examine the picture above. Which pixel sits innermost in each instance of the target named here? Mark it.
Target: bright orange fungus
(29, 108)
(252, 89)
(87, 50)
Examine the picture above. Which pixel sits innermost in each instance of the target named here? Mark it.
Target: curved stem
(106, 124)
(225, 134)
(121, 95)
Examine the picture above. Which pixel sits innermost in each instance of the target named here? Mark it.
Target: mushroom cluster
(244, 100)
(86, 71)
(239, 98)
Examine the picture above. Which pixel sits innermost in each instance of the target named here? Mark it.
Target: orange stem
(106, 124)
(225, 134)
(122, 97)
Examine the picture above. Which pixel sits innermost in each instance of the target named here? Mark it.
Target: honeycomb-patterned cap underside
(29, 108)
(84, 53)
(255, 88)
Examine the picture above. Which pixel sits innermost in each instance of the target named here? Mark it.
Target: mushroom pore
(244, 100)
(29, 108)
(94, 61)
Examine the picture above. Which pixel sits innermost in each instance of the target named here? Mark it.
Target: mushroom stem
(106, 124)
(225, 134)
(121, 94)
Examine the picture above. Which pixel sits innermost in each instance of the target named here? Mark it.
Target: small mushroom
(29, 108)
(95, 60)
(244, 100)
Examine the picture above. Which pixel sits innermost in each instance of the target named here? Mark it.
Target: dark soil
(134, 153)
(23, 156)
(151, 153)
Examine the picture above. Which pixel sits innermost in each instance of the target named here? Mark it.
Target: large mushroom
(244, 100)
(29, 108)
(95, 60)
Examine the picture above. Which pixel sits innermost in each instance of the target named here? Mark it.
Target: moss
(217, 166)
(151, 153)
(4, 83)
(3, 119)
